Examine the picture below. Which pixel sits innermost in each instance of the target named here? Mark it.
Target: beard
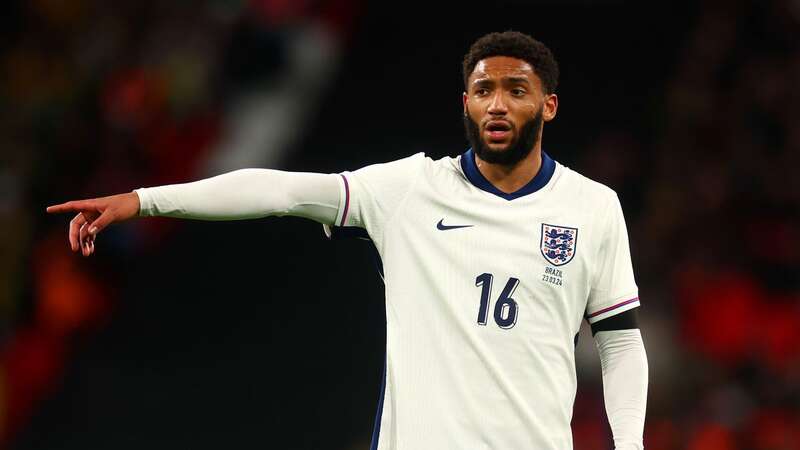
(516, 151)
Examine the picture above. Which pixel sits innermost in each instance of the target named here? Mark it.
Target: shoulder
(408, 162)
(397, 172)
(419, 164)
(594, 195)
(445, 165)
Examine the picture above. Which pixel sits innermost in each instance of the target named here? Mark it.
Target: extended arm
(242, 194)
(624, 365)
(246, 194)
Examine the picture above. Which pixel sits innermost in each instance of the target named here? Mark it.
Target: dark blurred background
(262, 334)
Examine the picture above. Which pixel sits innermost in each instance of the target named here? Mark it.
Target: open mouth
(498, 130)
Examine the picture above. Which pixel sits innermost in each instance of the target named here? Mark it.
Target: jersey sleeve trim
(344, 202)
(617, 308)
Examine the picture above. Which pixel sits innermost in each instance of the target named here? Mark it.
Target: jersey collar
(476, 177)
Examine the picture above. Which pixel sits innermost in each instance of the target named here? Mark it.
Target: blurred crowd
(713, 207)
(98, 97)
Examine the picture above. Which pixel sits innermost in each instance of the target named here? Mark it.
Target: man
(491, 260)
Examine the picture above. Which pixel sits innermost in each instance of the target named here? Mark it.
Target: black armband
(623, 321)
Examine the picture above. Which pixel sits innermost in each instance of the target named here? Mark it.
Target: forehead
(501, 67)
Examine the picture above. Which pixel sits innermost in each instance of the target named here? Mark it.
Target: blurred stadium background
(262, 334)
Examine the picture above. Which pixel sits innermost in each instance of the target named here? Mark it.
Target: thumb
(105, 219)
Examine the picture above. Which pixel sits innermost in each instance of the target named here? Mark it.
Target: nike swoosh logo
(443, 227)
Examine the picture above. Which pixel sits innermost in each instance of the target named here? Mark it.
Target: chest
(527, 264)
(547, 238)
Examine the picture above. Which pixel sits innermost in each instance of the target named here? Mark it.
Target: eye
(480, 92)
(517, 92)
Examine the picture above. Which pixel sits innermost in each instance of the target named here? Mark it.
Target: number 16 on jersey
(505, 309)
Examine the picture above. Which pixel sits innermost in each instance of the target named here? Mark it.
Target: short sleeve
(613, 288)
(371, 195)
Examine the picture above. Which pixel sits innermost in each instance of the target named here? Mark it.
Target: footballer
(491, 261)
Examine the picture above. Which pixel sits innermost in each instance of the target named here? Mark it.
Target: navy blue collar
(476, 177)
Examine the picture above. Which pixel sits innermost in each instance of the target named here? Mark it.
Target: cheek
(475, 106)
(525, 114)
(474, 112)
(532, 110)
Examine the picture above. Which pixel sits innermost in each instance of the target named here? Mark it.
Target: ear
(464, 99)
(550, 107)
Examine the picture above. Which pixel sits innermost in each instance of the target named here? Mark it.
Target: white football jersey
(485, 294)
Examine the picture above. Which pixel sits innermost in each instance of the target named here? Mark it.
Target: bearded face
(523, 138)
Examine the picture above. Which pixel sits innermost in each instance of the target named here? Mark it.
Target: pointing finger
(73, 206)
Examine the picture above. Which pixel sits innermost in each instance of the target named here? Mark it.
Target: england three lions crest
(558, 244)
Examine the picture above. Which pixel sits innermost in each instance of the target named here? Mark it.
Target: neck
(512, 178)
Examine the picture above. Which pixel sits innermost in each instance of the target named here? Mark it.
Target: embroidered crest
(558, 243)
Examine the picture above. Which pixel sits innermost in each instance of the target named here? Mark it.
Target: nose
(498, 105)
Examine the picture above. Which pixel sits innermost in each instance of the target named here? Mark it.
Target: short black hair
(516, 45)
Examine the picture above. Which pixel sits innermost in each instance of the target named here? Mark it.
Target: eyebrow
(513, 80)
(520, 80)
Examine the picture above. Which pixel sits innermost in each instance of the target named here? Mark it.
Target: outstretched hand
(94, 215)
